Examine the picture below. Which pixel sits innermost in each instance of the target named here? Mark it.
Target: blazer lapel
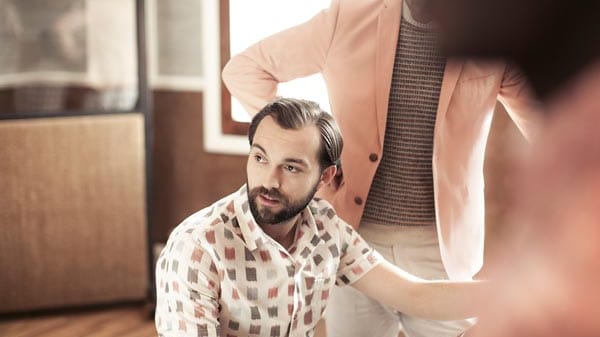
(451, 73)
(388, 28)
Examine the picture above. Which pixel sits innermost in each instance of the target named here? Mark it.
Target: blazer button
(358, 200)
(373, 157)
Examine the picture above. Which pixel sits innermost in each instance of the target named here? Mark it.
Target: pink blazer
(353, 44)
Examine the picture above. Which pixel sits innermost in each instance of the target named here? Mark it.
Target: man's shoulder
(320, 204)
(328, 222)
(324, 212)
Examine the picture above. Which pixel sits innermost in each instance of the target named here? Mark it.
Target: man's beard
(290, 209)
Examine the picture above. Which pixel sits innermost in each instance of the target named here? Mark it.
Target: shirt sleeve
(187, 290)
(357, 257)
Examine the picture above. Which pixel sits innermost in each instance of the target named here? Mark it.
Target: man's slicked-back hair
(295, 114)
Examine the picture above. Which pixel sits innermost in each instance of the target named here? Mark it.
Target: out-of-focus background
(114, 127)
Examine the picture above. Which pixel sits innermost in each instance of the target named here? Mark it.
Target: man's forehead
(304, 142)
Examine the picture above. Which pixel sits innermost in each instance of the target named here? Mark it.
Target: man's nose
(271, 179)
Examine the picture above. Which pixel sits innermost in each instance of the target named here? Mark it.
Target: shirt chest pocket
(315, 285)
(314, 282)
(314, 294)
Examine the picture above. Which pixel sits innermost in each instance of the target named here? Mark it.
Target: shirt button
(358, 200)
(373, 157)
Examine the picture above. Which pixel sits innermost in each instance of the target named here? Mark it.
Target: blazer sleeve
(253, 75)
(520, 102)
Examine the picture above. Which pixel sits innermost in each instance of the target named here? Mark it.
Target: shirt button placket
(295, 305)
(296, 295)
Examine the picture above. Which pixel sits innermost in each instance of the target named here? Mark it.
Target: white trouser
(414, 249)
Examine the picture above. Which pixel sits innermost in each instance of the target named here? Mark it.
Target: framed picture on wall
(43, 38)
(49, 46)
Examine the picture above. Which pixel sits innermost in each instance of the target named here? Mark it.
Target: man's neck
(283, 232)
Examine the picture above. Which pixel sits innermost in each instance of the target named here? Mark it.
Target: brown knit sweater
(402, 190)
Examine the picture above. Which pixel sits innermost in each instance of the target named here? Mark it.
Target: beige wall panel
(72, 214)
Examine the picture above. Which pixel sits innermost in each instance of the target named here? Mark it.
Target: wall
(186, 178)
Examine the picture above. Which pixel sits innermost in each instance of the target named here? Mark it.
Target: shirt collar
(307, 232)
(251, 232)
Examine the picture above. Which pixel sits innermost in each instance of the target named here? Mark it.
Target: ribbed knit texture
(402, 190)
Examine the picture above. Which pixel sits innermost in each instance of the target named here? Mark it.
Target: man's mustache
(272, 193)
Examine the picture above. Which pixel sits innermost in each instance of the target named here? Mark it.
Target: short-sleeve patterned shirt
(221, 275)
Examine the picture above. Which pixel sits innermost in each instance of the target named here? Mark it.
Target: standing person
(261, 261)
(415, 126)
(547, 276)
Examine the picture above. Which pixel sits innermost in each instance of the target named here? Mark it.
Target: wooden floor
(129, 321)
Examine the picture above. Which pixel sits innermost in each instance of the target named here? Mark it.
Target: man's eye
(259, 158)
(291, 169)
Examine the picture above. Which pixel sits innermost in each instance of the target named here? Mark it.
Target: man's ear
(327, 175)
